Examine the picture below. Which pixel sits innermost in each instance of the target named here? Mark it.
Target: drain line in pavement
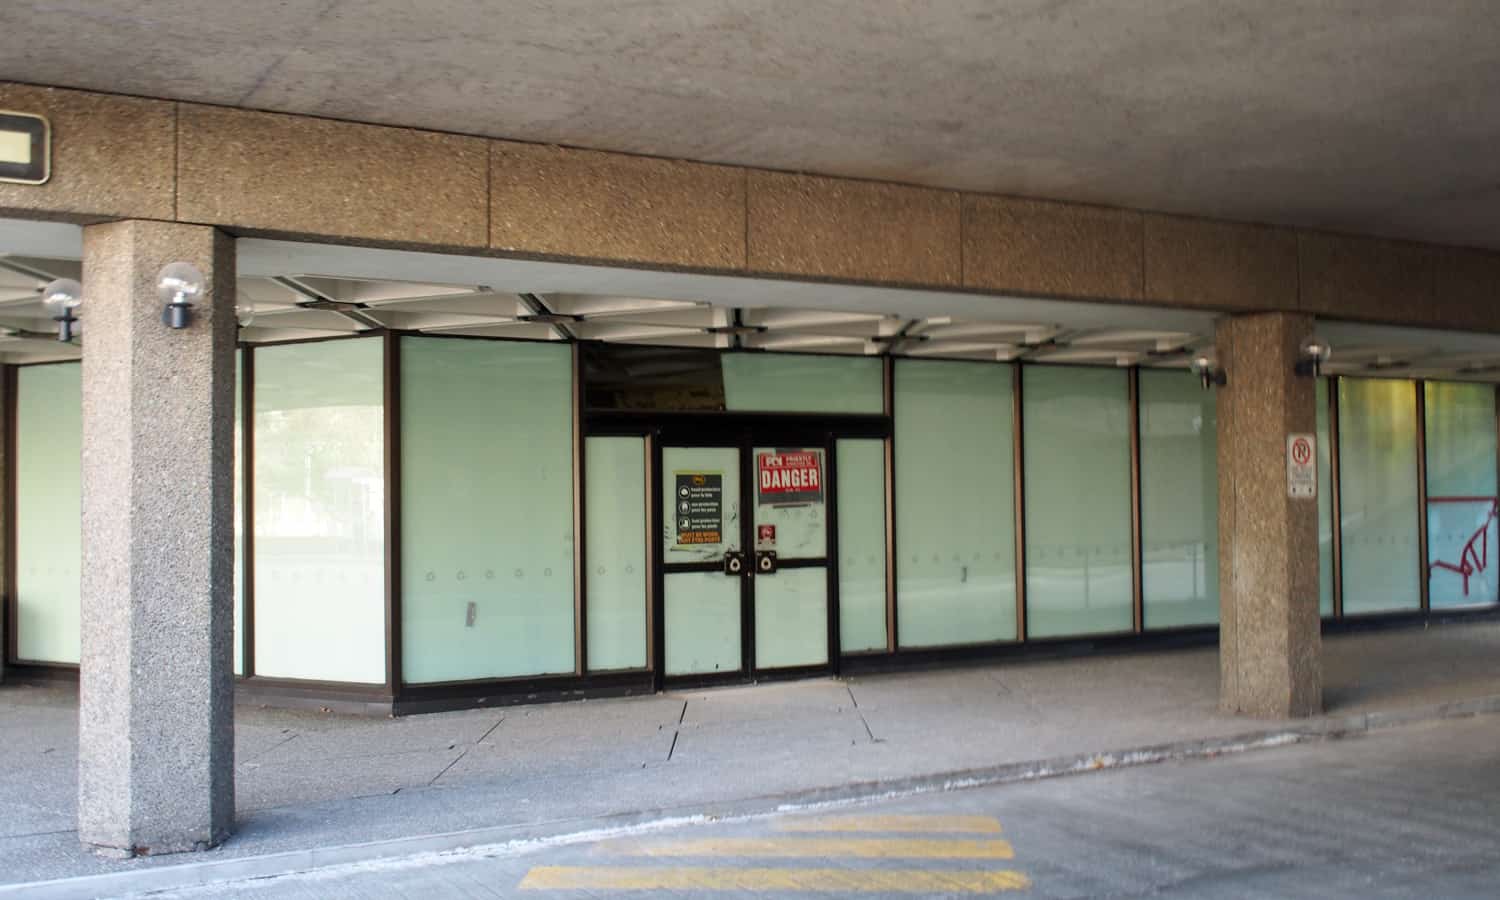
(678, 732)
(862, 721)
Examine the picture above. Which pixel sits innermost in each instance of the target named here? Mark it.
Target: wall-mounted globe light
(61, 299)
(179, 285)
(1312, 356)
(1208, 374)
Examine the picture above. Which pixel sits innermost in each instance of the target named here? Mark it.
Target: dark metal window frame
(654, 428)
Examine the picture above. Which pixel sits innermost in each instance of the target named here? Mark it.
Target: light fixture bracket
(177, 315)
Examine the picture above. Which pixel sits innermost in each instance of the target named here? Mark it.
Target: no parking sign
(1301, 466)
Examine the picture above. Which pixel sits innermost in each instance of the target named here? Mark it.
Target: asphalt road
(1411, 812)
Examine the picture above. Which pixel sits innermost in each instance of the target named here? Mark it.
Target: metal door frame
(742, 437)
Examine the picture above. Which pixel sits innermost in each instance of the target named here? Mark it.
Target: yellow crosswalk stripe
(860, 848)
(908, 824)
(843, 881)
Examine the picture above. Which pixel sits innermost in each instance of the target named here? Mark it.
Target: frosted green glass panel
(702, 622)
(1463, 557)
(320, 511)
(1179, 501)
(49, 441)
(1077, 445)
(486, 509)
(861, 551)
(1326, 487)
(791, 618)
(955, 513)
(615, 480)
(718, 465)
(789, 382)
(801, 526)
(239, 515)
(1378, 496)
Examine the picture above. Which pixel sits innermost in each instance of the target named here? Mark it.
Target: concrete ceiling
(1370, 116)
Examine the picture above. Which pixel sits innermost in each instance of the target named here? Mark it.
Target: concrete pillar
(1270, 646)
(156, 710)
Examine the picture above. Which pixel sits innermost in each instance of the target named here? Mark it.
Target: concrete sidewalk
(308, 781)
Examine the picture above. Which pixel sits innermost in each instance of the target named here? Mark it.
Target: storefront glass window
(1378, 494)
(486, 509)
(1463, 556)
(615, 479)
(955, 513)
(861, 550)
(1179, 501)
(49, 441)
(789, 382)
(1077, 443)
(319, 511)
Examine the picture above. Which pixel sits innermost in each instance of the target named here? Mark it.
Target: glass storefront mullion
(1326, 434)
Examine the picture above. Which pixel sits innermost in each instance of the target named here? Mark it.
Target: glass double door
(744, 558)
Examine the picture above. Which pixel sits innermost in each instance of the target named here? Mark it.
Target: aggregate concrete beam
(586, 204)
(268, 172)
(1466, 289)
(111, 156)
(1056, 249)
(1363, 278)
(156, 695)
(856, 230)
(1219, 265)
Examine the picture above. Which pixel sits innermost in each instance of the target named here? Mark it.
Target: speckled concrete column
(1270, 647)
(156, 713)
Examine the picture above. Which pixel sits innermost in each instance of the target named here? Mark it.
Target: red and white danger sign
(788, 477)
(1301, 466)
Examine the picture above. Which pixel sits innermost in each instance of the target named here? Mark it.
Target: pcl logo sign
(1301, 466)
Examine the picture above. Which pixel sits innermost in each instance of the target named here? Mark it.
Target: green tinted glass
(320, 511)
(955, 518)
(486, 509)
(1179, 501)
(615, 479)
(1077, 444)
(1463, 556)
(1378, 494)
(861, 550)
(789, 382)
(49, 441)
